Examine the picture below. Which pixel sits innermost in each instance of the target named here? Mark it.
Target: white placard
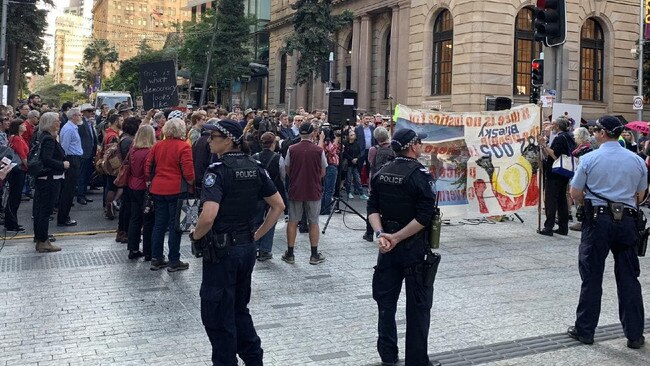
(348, 101)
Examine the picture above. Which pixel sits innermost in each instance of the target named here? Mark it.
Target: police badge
(209, 179)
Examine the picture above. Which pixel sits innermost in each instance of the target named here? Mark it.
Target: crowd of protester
(145, 161)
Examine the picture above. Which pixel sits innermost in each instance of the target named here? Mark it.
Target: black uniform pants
(386, 287)
(46, 193)
(225, 294)
(599, 236)
(556, 201)
(16, 180)
(69, 188)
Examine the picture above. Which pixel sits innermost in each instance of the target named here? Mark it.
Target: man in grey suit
(364, 133)
(89, 145)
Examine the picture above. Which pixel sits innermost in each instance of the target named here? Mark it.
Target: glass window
(526, 49)
(283, 78)
(443, 34)
(592, 45)
(387, 68)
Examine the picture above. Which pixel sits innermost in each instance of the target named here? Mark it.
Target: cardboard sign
(158, 85)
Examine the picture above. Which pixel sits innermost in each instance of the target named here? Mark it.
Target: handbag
(565, 165)
(124, 173)
(187, 214)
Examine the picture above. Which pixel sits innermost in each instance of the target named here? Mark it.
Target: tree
(25, 30)
(231, 56)
(97, 54)
(53, 94)
(313, 37)
(83, 76)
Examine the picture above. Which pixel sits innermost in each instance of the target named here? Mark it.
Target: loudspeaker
(342, 108)
(502, 103)
(325, 72)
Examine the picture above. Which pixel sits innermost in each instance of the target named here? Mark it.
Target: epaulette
(215, 164)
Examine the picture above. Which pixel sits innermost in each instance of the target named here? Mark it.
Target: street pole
(640, 71)
(204, 88)
(558, 72)
(3, 46)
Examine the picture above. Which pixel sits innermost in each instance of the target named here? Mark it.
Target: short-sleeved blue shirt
(613, 172)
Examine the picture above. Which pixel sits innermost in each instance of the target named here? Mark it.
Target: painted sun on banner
(483, 163)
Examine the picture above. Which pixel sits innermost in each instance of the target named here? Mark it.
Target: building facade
(71, 36)
(456, 53)
(127, 24)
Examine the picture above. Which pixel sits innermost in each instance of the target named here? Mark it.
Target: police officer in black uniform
(225, 237)
(610, 182)
(400, 208)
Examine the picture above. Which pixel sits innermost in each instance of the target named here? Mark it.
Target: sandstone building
(457, 52)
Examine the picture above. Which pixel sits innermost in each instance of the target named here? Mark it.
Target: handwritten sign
(158, 85)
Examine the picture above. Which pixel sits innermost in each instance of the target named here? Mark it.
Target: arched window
(526, 49)
(443, 34)
(387, 68)
(283, 78)
(592, 45)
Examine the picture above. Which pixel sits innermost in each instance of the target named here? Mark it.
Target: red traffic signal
(537, 72)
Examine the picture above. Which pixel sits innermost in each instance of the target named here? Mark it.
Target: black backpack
(34, 163)
(383, 156)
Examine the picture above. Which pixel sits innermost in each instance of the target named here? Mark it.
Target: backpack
(112, 158)
(34, 163)
(383, 156)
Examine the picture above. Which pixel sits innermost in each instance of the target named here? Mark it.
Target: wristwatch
(377, 233)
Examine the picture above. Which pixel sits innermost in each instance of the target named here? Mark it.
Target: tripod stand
(336, 200)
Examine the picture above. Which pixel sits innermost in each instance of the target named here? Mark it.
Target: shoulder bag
(565, 164)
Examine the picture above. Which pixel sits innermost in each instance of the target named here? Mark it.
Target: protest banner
(483, 163)
(158, 84)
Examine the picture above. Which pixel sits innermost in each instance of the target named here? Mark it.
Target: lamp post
(289, 89)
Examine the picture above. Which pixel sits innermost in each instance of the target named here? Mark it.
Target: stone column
(394, 48)
(356, 31)
(365, 63)
(402, 50)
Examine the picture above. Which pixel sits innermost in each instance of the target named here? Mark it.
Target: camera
(328, 132)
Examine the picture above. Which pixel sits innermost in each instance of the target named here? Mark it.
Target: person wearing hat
(225, 235)
(249, 116)
(609, 180)
(555, 188)
(400, 208)
(88, 137)
(125, 111)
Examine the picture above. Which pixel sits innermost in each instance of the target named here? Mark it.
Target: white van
(111, 98)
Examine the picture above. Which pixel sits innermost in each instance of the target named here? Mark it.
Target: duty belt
(232, 239)
(599, 210)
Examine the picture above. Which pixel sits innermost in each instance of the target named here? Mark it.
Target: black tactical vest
(242, 185)
(396, 203)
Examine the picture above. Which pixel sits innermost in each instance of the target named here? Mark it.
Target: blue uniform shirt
(613, 172)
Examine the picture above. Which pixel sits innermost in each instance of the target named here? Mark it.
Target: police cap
(404, 138)
(611, 125)
(228, 127)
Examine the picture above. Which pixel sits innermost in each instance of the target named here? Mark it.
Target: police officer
(610, 181)
(231, 189)
(401, 206)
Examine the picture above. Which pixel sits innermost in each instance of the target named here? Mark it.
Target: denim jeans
(329, 184)
(353, 179)
(265, 244)
(165, 217)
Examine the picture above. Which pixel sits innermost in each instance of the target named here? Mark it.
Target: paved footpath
(503, 296)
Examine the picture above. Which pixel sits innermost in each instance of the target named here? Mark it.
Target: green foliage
(43, 83)
(25, 29)
(83, 76)
(231, 56)
(96, 55)
(73, 96)
(52, 94)
(313, 37)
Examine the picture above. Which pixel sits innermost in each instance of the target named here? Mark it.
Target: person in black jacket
(202, 157)
(48, 181)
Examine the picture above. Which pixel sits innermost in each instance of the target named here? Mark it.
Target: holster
(641, 222)
(616, 209)
(425, 272)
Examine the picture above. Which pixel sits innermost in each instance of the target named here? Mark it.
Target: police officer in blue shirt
(400, 208)
(231, 189)
(610, 181)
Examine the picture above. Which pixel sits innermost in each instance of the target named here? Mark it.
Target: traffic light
(537, 72)
(534, 95)
(550, 22)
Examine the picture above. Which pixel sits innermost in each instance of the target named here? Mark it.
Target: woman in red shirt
(111, 135)
(142, 142)
(16, 178)
(170, 170)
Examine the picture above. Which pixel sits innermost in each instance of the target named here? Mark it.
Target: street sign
(547, 101)
(637, 105)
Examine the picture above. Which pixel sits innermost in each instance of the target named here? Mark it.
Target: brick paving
(90, 305)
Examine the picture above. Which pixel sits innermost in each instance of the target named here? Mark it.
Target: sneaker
(319, 258)
(363, 197)
(350, 196)
(264, 256)
(288, 258)
(158, 264)
(177, 266)
(135, 254)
